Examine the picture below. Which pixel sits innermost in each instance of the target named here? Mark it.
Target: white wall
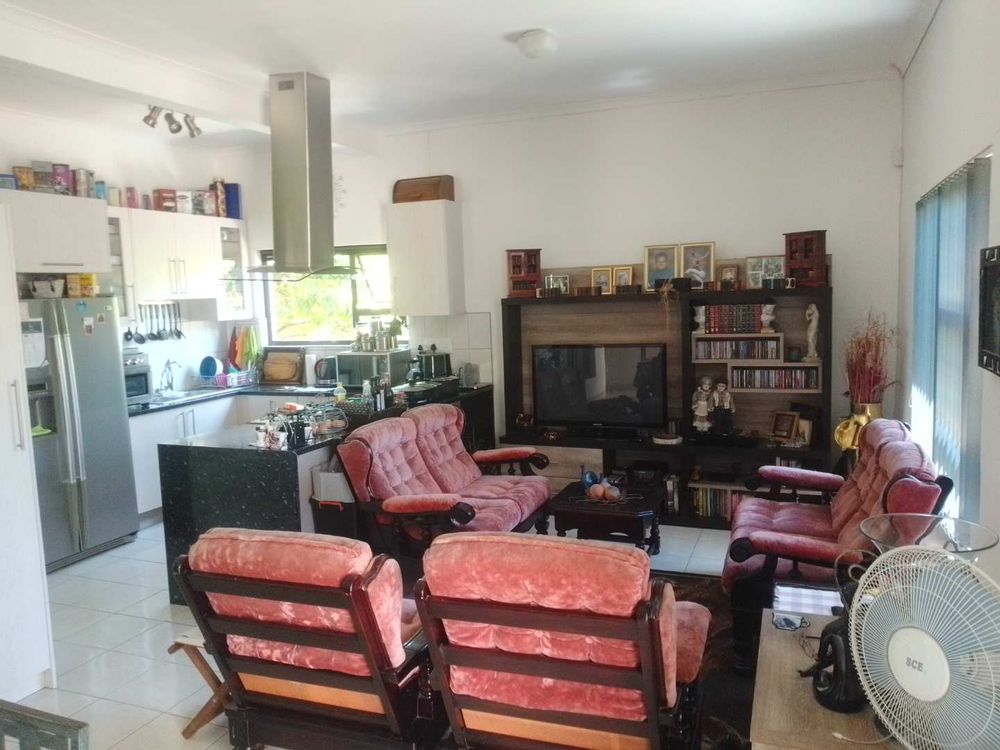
(593, 188)
(950, 114)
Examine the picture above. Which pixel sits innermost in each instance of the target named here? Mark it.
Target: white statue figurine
(812, 334)
(701, 404)
(766, 318)
(699, 318)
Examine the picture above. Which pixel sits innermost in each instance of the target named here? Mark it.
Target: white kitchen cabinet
(425, 258)
(235, 297)
(212, 416)
(57, 233)
(25, 649)
(197, 257)
(152, 251)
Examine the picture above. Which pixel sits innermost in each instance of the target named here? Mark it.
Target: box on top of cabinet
(185, 201)
(165, 199)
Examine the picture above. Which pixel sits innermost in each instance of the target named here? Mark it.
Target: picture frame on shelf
(989, 309)
(8, 182)
(622, 275)
(784, 426)
(558, 281)
(698, 263)
(804, 432)
(601, 277)
(761, 267)
(660, 265)
(728, 276)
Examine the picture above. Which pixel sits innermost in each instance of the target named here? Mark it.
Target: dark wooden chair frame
(678, 726)
(412, 711)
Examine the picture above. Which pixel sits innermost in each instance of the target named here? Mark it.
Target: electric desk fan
(925, 636)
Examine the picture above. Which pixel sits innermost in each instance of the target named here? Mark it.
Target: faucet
(167, 376)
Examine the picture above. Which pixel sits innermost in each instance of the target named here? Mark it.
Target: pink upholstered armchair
(777, 540)
(313, 638)
(413, 475)
(540, 642)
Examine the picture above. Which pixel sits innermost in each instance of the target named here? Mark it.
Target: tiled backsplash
(467, 337)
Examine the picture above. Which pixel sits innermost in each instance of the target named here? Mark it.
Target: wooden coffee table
(635, 518)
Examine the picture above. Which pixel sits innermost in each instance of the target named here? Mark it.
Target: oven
(138, 378)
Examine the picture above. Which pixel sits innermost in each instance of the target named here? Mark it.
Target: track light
(193, 130)
(153, 115)
(172, 124)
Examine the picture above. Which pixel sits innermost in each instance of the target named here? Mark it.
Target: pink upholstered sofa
(414, 474)
(540, 640)
(777, 540)
(311, 634)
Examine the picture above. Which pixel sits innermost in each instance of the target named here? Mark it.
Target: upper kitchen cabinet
(57, 233)
(198, 257)
(235, 299)
(425, 258)
(152, 254)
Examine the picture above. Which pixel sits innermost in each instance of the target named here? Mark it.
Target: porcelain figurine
(701, 405)
(766, 318)
(812, 334)
(699, 318)
(721, 409)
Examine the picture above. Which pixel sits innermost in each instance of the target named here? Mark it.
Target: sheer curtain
(945, 398)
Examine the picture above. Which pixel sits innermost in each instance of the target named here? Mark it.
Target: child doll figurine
(701, 405)
(721, 408)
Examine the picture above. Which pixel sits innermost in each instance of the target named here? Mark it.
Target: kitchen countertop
(208, 394)
(244, 437)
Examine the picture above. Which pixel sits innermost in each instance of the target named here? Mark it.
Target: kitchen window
(325, 309)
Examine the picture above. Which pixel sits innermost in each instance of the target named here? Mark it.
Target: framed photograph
(623, 275)
(557, 281)
(784, 426)
(762, 267)
(661, 265)
(602, 277)
(989, 309)
(698, 263)
(728, 272)
(8, 182)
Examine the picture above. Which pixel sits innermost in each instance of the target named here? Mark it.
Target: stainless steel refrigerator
(79, 419)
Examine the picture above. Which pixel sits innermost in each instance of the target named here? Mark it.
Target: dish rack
(227, 379)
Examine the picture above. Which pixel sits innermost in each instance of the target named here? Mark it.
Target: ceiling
(394, 63)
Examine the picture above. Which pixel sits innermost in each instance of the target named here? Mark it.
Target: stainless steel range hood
(301, 173)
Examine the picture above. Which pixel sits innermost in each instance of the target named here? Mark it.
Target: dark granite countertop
(244, 437)
(208, 394)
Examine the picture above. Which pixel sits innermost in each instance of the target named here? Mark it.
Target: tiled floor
(112, 624)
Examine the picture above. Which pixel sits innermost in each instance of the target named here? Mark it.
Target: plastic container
(340, 393)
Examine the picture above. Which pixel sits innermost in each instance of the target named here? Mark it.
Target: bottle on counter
(340, 393)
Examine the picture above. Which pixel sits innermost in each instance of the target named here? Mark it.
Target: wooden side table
(785, 714)
(192, 644)
(635, 520)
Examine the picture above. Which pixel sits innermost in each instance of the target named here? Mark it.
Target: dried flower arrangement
(865, 360)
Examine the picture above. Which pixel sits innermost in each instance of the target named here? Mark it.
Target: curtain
(945, 397)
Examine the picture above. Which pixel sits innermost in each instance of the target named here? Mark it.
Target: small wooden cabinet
(524, 272)
(805, 257)
(425, 258)
(57, 233)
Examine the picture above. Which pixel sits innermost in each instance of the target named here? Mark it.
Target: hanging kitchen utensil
(128, 331)
(151, 328)
(138, 337)
(180, 333)
(161, 332)
(169, 309)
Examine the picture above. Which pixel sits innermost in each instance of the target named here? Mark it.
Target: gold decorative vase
(847, 432)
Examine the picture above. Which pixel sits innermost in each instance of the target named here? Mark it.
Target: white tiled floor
(112, 623)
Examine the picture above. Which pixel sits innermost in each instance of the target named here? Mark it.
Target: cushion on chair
(590, 576)
(775, 515)
(397, 468)
(312, 559)
(529, 493)
(439, 438)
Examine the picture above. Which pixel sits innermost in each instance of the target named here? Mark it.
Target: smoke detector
(537, 43)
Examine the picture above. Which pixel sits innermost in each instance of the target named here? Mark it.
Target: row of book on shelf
(716, 502)
(733, 318)
(791, 378)
(738, 349)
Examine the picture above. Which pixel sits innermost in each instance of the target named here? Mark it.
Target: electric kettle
(326, 371)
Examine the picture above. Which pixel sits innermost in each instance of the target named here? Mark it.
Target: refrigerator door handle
(15, 400)
(74, 395)
(64, 403)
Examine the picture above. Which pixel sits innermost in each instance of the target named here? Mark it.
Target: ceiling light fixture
(172, 124)
(537, 43)
(153, 115)
(193, 130)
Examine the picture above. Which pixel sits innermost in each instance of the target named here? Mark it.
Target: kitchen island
(223, 479)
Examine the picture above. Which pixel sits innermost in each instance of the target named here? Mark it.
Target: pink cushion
(439, 438)
(733, 571)
(599, 577)
(397, 468)
(528, 493)
(794, 518)
(312, 559)
(801, 478)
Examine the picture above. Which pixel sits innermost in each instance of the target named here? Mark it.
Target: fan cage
(955, 605)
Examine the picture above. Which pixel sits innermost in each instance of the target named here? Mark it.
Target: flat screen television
(600, 385)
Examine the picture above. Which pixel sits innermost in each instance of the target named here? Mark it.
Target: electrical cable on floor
(842, 738)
